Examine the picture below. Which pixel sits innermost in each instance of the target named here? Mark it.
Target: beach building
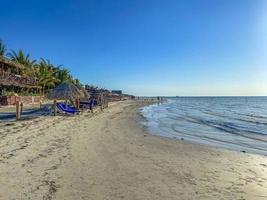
(119, 92)
(96, 93)
(12, 83)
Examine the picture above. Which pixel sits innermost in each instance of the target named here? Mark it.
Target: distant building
(12, 82)
(117, 92)
(10, 76)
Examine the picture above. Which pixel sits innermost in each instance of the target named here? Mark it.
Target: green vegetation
(23, 59)
(2, 48)
(23, 93)
(47, 74)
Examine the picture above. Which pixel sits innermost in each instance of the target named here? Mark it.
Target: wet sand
(109, 155)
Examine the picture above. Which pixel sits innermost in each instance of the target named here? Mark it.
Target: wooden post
(76, 104)
(101, 102)
(55, 107)
(106, 102)
(17, 110)
(21, 108)
(106, 99)
(92, 106)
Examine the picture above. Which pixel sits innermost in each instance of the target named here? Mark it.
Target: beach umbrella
(65, 91)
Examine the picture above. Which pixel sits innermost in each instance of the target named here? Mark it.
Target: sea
(234, 123)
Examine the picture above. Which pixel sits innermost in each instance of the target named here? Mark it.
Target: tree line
(46, 73)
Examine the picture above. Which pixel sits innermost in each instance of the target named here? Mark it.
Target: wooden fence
(11, 100)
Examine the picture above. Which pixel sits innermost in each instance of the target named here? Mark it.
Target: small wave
(215, 118)
(226, 142)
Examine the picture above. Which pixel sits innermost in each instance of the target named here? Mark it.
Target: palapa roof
(18, 84)
(10, 63)
(65, 91)
(84, 91)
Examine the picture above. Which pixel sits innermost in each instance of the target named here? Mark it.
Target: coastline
(110, 155)
(220, 127)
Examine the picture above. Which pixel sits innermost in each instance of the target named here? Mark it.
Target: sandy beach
(110, 155)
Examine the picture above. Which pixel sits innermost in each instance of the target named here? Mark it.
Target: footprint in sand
(264, 165)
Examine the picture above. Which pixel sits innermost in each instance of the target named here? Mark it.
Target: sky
(147, 47)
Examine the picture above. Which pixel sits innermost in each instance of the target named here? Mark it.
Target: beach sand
(110, 155)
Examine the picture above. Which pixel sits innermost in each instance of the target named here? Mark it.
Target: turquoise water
(236, 123)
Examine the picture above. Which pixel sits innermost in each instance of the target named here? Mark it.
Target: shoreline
(111, 155)
(182, 140)
(165, 126)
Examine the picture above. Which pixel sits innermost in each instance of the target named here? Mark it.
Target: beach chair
(67, 109)
(89, 104)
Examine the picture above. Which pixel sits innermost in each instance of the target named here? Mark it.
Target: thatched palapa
(84, 92)
(65, 91)
(10, 63)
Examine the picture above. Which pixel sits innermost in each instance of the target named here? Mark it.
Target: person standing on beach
(91, 103)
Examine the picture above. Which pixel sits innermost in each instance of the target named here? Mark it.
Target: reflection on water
(237, 123)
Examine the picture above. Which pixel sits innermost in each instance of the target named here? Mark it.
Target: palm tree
(2, 48)
(63, 75)
(49, 64)
(23, 59)
(46, 75)
(76, 82)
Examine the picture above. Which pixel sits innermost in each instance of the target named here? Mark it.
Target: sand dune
(109, 155)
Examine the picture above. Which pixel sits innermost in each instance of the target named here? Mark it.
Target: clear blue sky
(147, 47)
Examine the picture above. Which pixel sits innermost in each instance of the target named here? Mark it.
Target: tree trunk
(43, 90)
